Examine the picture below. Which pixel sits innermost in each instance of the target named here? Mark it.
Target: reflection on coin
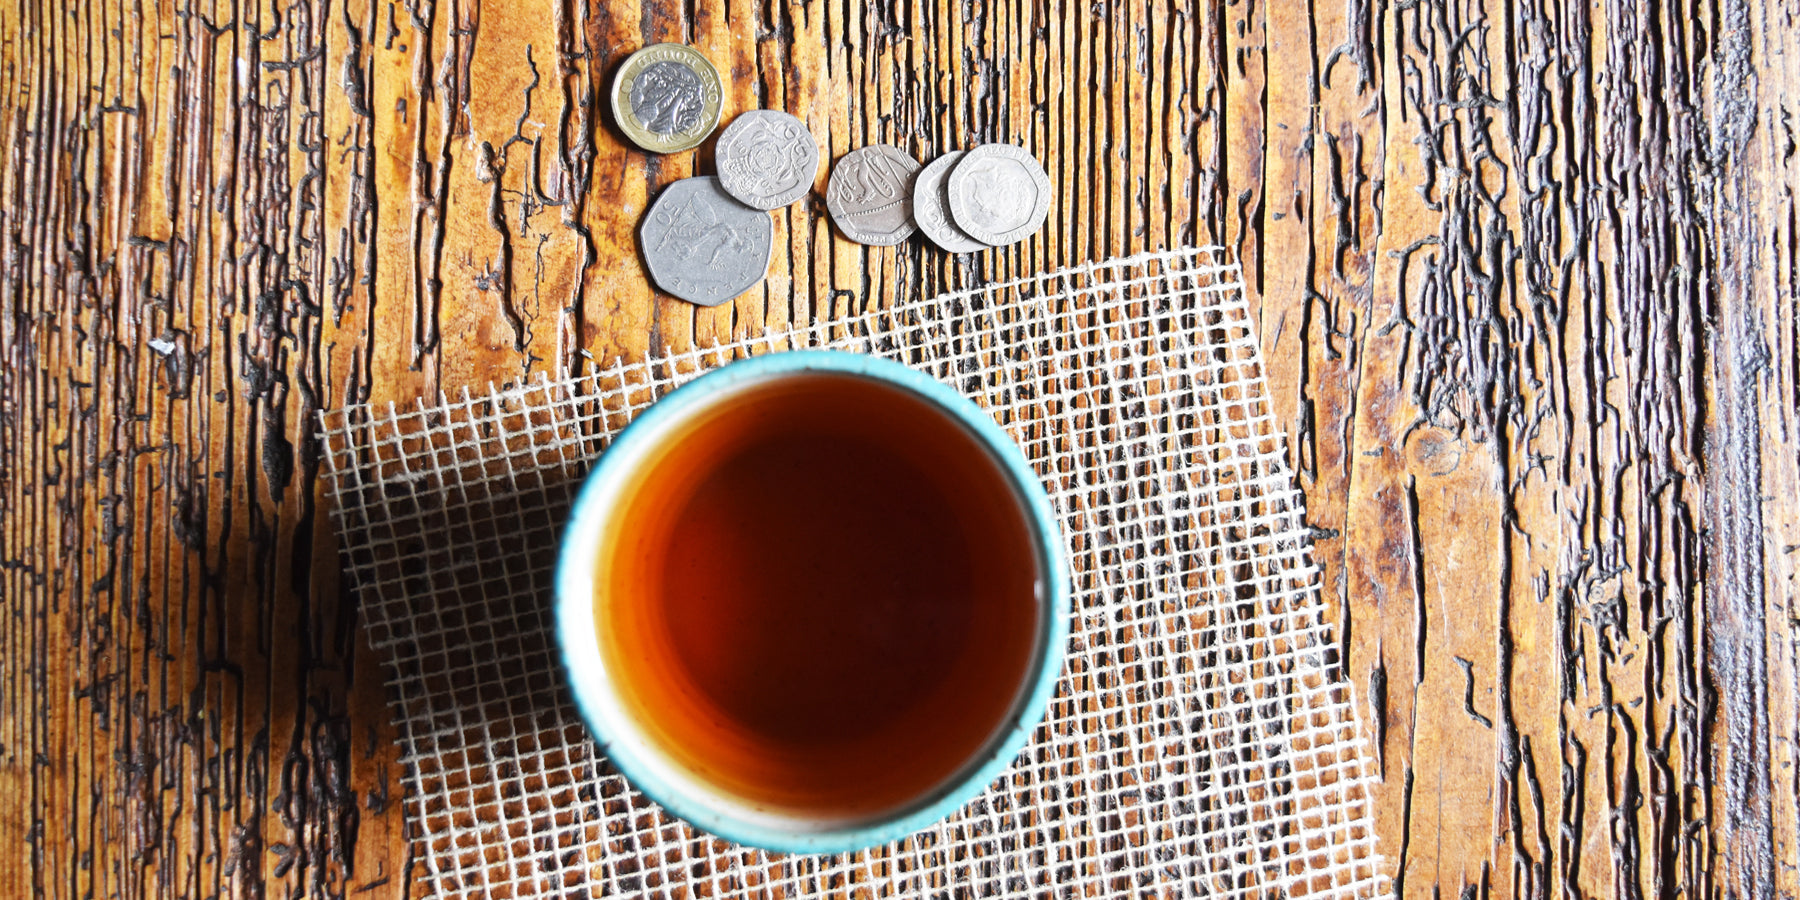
(870, 195)
(999, 194)
(703, 246)
(767, 159)
(932, 211)
(666, 98)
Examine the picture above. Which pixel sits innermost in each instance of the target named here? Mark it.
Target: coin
(666, 98)
(870, 195)
(999, 194)
(931, 208)
(767, 159)
(703, 246)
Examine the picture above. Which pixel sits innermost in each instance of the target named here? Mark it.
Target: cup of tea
(812, 601)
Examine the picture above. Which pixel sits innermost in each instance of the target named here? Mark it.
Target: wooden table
(1528, 277)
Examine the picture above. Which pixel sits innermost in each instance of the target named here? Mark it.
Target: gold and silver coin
(666, 98)
(703, 246)
(998, 194)
(931, 208)
(767, 159)
(870, 195)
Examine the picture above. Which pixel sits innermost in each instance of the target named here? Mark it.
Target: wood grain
(1529, 281)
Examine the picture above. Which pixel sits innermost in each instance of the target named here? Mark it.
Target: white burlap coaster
(1201, 742)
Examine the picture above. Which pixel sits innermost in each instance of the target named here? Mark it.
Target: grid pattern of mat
(1201, 741)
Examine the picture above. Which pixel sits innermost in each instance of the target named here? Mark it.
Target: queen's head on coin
(994, 191)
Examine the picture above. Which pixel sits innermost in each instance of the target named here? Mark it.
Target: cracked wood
(1528, 274)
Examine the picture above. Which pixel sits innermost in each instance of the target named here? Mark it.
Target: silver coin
(999, 194)
(767, 159)
(870, 195)
(931, 208)
(703, 246)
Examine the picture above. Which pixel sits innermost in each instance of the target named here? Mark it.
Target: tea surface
(826, 599)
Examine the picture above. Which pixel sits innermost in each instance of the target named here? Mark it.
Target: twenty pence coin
(932, 210)
(767, 159)
(870, 195)
(999, 194)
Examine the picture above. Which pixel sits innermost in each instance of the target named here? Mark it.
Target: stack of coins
(993, 195)
(709, 239)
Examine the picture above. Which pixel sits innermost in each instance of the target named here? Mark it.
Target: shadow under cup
(812, 601)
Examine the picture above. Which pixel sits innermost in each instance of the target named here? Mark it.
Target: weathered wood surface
(1529, 277)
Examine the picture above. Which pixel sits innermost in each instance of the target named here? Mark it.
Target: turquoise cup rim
(682, 795)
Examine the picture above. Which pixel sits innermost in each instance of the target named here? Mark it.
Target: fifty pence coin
(767, 159)
(870, 195)
(932, 211)
(999, 194)
(703, 246)
(666, 98)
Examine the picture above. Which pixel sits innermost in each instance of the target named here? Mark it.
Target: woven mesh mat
(1201, 742)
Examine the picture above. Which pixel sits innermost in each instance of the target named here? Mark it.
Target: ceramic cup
(628, 732)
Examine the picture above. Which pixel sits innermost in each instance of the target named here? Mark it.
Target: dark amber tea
(820, 595)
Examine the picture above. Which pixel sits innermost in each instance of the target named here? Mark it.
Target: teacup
(812, 601)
